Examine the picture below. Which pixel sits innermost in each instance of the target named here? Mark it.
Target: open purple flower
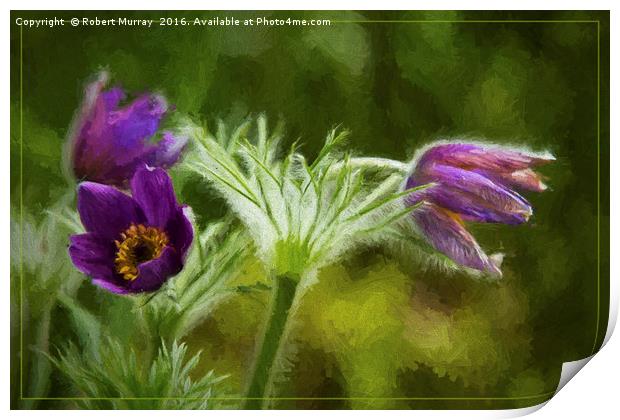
(132, 244)
(108, 142)
(473, 182)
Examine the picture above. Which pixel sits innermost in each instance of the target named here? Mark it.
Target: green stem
(283, 293)
(150, 328)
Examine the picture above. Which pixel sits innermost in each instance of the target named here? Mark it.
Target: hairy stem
(283, 294)
(377, 163)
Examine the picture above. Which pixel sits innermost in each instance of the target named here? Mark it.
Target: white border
(593, 393)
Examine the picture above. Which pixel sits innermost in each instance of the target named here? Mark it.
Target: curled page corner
(570, 369)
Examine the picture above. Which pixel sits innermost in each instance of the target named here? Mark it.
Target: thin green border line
(598, 290)
(598, 184)
(529, 397)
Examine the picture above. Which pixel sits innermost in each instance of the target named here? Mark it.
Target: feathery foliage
(115, 378)
(40, 245)
(301, 215)
(216, 257)
(41, 272)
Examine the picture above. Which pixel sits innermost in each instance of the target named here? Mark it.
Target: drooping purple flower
(108, 142)
(474, 183)
(132, 244)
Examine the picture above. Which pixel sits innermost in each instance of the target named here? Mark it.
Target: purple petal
(78, 134)
(108, 143)
(154, 273)
(475, 156)
(137, 122)
(475, 196)
(446, 233)
(525, 179)
(96, 153)
(93, 255)
(112, 286)
(152, 189)
(167, 151)
(112, 98)
(163, 154)
(118, 139)
(105, 210)
(180, 231)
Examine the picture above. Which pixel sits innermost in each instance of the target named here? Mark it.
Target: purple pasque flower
(134, 243)
(108, 142)
(473, 183)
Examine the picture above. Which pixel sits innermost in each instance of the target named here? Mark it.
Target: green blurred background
(375, 326)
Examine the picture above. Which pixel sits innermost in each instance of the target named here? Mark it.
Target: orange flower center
(138, 244)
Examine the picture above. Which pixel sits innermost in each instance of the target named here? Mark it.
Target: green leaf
(116, 380)
(86, 326)
(387, 200)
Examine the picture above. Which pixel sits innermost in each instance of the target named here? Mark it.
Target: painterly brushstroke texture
(110, 215)
(473, 182)
(108, 141)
